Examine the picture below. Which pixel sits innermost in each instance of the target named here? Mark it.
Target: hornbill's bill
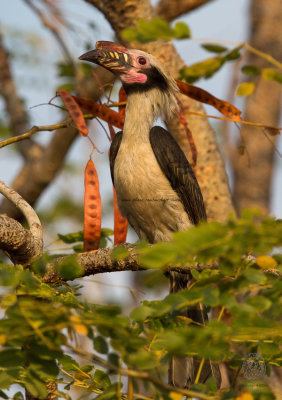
(156, 188)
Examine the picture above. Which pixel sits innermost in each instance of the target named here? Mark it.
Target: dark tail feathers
(183, 370)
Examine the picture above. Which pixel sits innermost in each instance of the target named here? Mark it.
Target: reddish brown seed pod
(112, 131)
(203, 96)
(103, 112)
(92, 208)
(120, 223)
(75, 111)
(183, 121)
(122, 98)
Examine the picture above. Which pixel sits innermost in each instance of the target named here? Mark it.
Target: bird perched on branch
(156, 188)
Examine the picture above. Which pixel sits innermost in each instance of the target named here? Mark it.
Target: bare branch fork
(20, 244)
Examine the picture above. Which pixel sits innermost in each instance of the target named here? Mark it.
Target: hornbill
(156, 188)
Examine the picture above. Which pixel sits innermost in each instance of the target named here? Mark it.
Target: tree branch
(169, 10)
(96, 262)
(53, 29)
(41, 128)
(21, 245)
(101, 261)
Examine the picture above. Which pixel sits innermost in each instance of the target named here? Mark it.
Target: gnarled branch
(21, 245)
(101, 261)
(170, 10)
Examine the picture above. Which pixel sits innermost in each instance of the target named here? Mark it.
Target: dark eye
(142, 60)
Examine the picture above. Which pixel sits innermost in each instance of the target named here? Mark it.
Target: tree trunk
(253, 171)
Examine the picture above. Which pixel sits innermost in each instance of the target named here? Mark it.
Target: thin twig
(53, 29)
(261, 54)
(68, 122)
(139, 375)
(41, 128)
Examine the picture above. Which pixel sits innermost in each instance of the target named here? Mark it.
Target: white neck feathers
(143, 108)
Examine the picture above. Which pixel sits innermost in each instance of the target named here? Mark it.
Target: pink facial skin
(134, 74)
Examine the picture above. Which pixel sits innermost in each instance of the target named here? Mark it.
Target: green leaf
(268, 350)
(113, 359)
(102, 242)
(34, 385)
(211, 296)
(11, 358)
(100, 345)
(18, 396)
(101, 379)
(71, 237)
(4, 396)
(79, 248)
(214, 48)
(6, 380)
(68, 363)
(8, 277)
(9, 300)
(260, 303)
(254, 276)
(87, 368)
(111, 393)
(158, 256)
(250, 70)
(141, 313)
(155, 29)
(142, 359)
(106, 232)
(181, 31)
(39, 265)
(195, 274)
(204, 69)
(245, 89)
(233, 54)
(119, 253)
(44, 368)
(160, 28)
(130, 34)
(271, 74)
(69, 268)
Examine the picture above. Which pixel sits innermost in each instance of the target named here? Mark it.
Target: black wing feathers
(178, 171)
(113, 152)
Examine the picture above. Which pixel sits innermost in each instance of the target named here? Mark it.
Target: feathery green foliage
(243, 293)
